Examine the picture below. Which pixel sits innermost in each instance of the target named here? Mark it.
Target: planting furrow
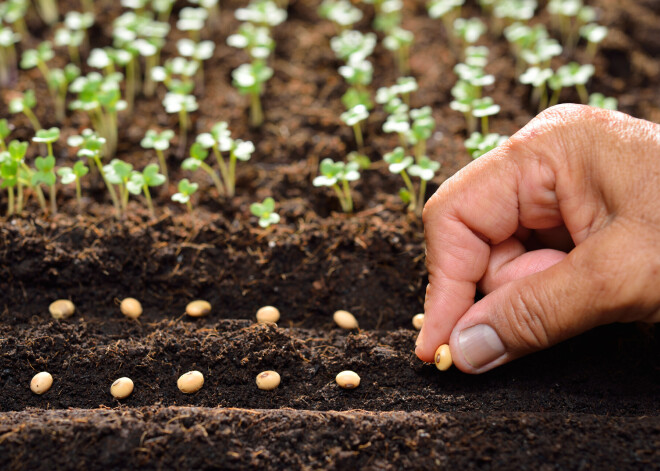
(85, 360)
(203, 438)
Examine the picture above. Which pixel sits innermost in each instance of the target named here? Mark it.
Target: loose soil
(591, 402)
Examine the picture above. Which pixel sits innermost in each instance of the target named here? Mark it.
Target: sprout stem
(111, 190)
(582, 91)
(420, 149)
(78, 194)
(41, 198)
(32, 118)
(411, 189)
(163, 163)
(256, 113)
(226, 176)
(341, 197)
(484, 125)
(232, 174)
(53, 199)
(150, 205)
(19, 198)
(422, 194)
(183, 128)
(10, 204)
(347, 193)
(357, 130)
(555, 97)
(130, 84)
(214, 176)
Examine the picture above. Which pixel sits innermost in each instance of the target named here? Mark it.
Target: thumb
(586, 289)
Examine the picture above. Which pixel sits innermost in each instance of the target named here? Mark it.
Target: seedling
(38, 58)
(182, 104)
(118, 173)
(448, 11)
(47, 136)
(422, 127)
(399, 41)
(469, 30)
(108, 58)
(388, 14)
(73, 34)
(476, 56)
(73, 174)
(353, 45)
(163, 8)
(341, 12)
(59, 80)
(542, 52)
(255, 40)
(24, 104)
(211, 7)
(262, 13)
(478, 144)
(192, 20)
(48, 11)
(424, 169)
(508, 11)
(594, 34)
(17, 175)
(4, 134)
(334, 173)
(353, 117)
(198, 52)
(249, 79)
(196, 160)
(141, 182)
(358, 73)
(160, 142)
(601, 101)
(538, 78)
(45, 173)
(398, 163)
(265, 211)
(483, 108)
(186, 190)
(7, 54)
(572, 74)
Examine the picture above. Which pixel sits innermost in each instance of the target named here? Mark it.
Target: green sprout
(469, 30)
(196, 160)
(594, 34)
(388, 14)
(572, 74)
(4, 134)
(73, 33)
(197, 52)
(424, 169)
(334, 173)
(353, 117)
(358, 74)
(568, 16)
(186, 190)
(192, 20)
(341, 12)
(38, 58)
(181, 102)
(163, 8)
(525, 38)
(483, 108)
(538, 78)
(476, 56)
(119, 173)
(45, 173)
(265, 211)
(601, 101)
(48, 11)
(47, 136)
(219, 140)
(59, 81)
(353, 45)
(478, 144)
(108, 58)
(8, 38)
(447, 10)
(24, 104)
(211, 7)
(14, 175)
(255, 40)
(398, 163)
(160, 142)
(14, 12)
(508, 11)
(261, 13)
(141, 182)
(73, 174)
(399, 41)
(249, 79)
(542, 52)
(421, 130)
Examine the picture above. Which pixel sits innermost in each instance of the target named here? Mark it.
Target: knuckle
(528, 320)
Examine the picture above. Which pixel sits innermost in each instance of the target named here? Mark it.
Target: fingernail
(480, 345)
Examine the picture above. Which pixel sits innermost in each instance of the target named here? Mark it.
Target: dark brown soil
(592, 402)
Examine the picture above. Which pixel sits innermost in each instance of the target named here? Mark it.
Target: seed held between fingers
(190, 382)
(268, 314)
(345, 320)
(268, 380)
(348, 379)
(41, 382)
(61, 309)
(122, 388)
(131, 307)
(442, 358)
(418, 321)
(198, 308)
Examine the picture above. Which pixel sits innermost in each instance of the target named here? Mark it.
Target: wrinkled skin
(559, 227)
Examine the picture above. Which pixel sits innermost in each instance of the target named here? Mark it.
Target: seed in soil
(61, 309)
(198, 308)
(268, 380)
(418, 321)
(122, 388)
(348, 379)
(268, 314)
(131, 307)
(443, 358)
(190, 382)
(345, 320)
(41, 382)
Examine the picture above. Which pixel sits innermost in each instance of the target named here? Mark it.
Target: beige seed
(345, 320)
(443, 358)
(348, 379)
(122, 388)
(131, 307)
(41, 382)
(268, 380)
(61, 309)
(268, 314)
(190, 382)
(198, 308)
(418, 321)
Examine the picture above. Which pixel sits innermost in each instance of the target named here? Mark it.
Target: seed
(345, 320)
(122, 388)
(41, 382)
(268, 314)
(443, 358)
(198, 308)
(268, 380)
(191, 382)
(61, 309)
(131, 307)
(418, 321)
(348, 379)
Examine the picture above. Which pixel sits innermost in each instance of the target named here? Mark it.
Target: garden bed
(592, 401)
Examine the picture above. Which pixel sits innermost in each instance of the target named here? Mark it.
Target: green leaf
(151, 175)
(67, 175)
(4, 129)
(47, 135)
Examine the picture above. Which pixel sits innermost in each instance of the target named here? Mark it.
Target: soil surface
(591, 402)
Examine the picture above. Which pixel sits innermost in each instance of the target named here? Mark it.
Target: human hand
(576, 179)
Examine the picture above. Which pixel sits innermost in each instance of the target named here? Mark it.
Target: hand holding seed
(560, 229)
